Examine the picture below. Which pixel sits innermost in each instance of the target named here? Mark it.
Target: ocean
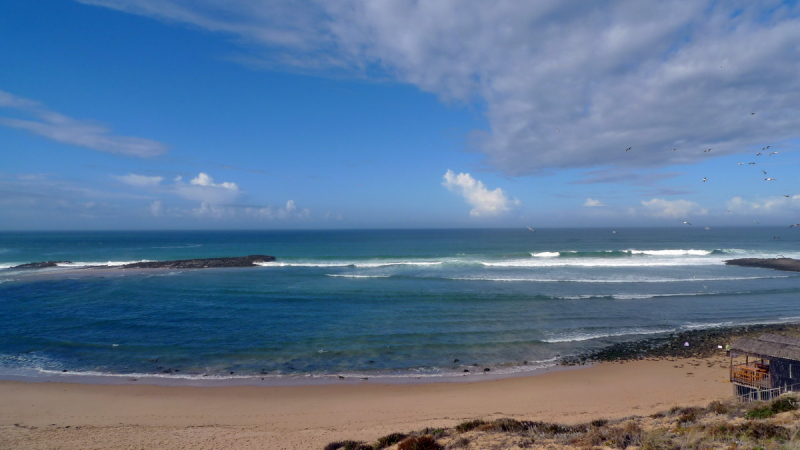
(378, 304)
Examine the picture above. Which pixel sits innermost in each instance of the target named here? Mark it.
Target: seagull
(558, 129)
(750, 163)
(628, 148)
(673, 149)
(763, 171)
(795, 225)
(766, 147)
(707, 151)
(707, 228)
(728, 210)
(704, 179)
(785, 195)
(614, 232)
(531, 229)
(758, 153)
(687, 223)
(740, 163)
(769, 179)
(755, 221)
(773, 153)
(752, 114)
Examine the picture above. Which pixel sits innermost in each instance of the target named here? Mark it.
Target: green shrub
(760, 413)
(419, 443)
(389, 439)
(783, 404)
(469, 425)
(348, 445)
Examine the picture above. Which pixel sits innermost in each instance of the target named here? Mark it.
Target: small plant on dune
(348, 445)
(760, 413)
(419, 443)
(783, 404)
(469, 425)
(432, 431)
(388, 440)
(717, 407)
(761, 430)
(505, 425)
(599, 422)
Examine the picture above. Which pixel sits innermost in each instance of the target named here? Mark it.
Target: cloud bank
(67, 130)
(563, 84)
(484, 202)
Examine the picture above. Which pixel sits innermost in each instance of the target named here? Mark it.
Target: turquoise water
(374, 303)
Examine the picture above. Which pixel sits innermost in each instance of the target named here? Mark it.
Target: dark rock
(785, 264)
(486, 369)
(466, 370)
(238, 261)
(41, 265)
(456, 360)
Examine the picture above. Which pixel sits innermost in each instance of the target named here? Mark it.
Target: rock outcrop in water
(41, 265)
(786, 264)
(205, 263)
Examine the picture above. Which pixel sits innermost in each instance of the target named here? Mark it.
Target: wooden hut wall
(784, 372)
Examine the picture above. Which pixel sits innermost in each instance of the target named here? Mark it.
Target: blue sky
(145, 114)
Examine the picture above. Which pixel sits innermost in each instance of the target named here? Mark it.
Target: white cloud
(672, 209)
(135, 180)
(483, 201)
(157, 208)
(203, 179)
(772, 206)
(593, 202)
(80, 133)
(290, 211)
(564, 83)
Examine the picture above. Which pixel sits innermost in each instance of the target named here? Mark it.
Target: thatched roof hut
(769, 346)
(778, 370)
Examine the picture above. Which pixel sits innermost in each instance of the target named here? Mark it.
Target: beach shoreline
(39, 415)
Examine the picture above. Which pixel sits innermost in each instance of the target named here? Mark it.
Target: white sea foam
(546, 254)
(359, 264)
(604, 262)
(107, 263)
(606, 279)
(584, 336)
(690, 252)
(355, 276)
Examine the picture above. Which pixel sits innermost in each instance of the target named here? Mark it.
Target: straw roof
(769, 346)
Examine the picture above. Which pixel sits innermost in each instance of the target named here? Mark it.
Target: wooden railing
(751, 376)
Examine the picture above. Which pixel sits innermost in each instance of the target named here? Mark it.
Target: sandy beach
(64, 415)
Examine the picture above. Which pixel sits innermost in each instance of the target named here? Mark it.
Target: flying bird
(795, 225)
(752, 114)
(704, 179)
(763, 171)
(750, 163)
(755, 221)
(531, 229)
(758, 153)
(707, 228)
(707, 151)
(740, 163)
(785, 195)
(769, 179)
(687, 223)
(673, 149)
(773, 153)
(628, 148)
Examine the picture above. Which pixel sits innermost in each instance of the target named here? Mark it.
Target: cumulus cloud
(672, 209)
(565, 84)
(67, 130)
(593, 202)
(483, 201)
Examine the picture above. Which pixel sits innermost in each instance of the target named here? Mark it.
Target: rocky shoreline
(785, 264)
(203, 263)
(702, 344)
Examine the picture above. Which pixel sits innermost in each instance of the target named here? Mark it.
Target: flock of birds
(763, 150)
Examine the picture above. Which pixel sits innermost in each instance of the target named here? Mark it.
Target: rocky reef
(205, 263)
(786, 264)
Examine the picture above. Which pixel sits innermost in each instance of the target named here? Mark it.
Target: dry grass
(727, 425)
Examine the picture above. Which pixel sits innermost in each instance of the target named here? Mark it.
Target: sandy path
(61, 415)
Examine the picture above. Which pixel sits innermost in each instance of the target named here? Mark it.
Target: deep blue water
(375, 303)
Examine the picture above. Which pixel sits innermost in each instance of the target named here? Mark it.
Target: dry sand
(62, 415)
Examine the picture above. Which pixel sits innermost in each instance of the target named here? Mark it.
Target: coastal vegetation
(726, 424)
